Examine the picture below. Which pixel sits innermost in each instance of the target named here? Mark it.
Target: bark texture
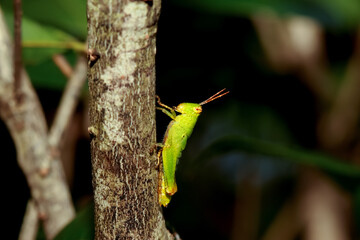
(122, 119)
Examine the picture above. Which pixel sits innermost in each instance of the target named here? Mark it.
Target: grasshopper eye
(197, 109)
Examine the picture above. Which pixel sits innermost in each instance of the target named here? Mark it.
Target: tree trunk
(122, 34)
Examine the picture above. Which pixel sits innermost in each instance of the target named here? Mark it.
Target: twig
(63, 64)
(31, 222)
(17, 48)
(68, 103)
(74, 45)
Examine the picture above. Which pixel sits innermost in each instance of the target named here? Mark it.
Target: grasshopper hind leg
(158, 159)
(163, 196)
(159, 145)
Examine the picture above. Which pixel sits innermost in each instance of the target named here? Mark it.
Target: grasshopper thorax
(189, 108)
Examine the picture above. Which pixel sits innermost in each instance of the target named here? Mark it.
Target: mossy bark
(122, 119)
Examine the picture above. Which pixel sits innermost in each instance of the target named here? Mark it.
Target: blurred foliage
(82, 227)
(33, 32)
(256, 129)
(335, 13)
(48, 28)
(65, 15)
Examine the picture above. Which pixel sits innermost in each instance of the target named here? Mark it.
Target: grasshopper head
(189, 108)
(195, 108)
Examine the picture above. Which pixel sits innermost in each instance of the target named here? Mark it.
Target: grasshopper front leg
(164, 108)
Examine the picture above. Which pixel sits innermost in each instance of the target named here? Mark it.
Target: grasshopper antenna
(215, 96)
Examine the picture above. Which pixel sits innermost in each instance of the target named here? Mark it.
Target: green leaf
(66, 15)
(295, 154)
(81, 228)
(42, 41)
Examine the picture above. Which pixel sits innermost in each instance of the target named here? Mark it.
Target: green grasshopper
(177, 133)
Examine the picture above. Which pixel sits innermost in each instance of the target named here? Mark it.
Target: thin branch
(68, 102)
(30, 225)
(67, 105)
(17, 48)
(63, 65)
(74, 45)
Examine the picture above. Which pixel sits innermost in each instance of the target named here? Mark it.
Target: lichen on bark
(122, 119)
